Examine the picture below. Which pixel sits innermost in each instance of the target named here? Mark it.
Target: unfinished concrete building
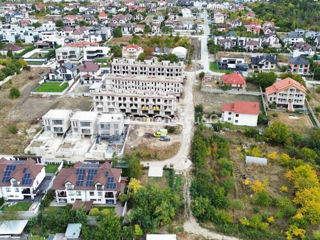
(148, 67)
(153, 96)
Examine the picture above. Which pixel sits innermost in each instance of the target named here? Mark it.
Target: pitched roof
(299, 60)
(12, 47)
(283, 85)
(102, 15)
(135, 46)
(103, 173)
(242, 107)
(258, 59)
(233, 78)
(89, 67)
(17, 170)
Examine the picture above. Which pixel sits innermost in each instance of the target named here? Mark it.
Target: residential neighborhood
(160, 120)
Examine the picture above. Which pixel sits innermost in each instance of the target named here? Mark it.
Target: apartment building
(92, 53)
(131, 51)
(138, 95)
(68, 54)
(148, 67)
(57, 121)
(241, 113)
(110, 125)
(20, 179)
(86, 182)
(84, 123)
(287, 93)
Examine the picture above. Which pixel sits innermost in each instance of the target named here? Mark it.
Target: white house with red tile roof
(131, 51)
(254, 27)
(20, 179)
(102, 16)
(86, 182)
(235, 80)
(241, 113)
(287, 93)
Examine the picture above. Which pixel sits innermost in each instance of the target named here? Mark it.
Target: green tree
(154, 207)
(116, 51)
(134, 166)
(277, 133)
(117, 33)
(109, 227)
(201, 75)
(296, 77)
(142, 56)
(14, 93)
(9, 53)
(59, 23)
(266, 79)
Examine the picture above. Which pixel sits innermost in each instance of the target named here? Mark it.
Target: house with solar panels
(98, 183)
(20, 179)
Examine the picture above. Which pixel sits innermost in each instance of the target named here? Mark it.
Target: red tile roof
(132, 46)
(234, 78)
(283, 85)
(102, 15)
(242, 107)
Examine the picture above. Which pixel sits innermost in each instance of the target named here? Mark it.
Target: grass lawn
(103, 207)
(20, 206)
(161, 182)
(35, 62)
(52, 168)
(214, 68)
(52, 87)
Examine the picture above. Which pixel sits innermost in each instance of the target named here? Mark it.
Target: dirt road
(180, 161)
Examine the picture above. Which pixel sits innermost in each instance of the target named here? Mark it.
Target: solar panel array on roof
(107, 173)
(81, 173)
(26, 180)
(110, 183)
(7, 173)
(91, 174)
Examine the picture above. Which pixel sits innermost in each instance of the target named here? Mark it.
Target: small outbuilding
(256, 160)
(155, 172)
(12, 228)
(73, 231)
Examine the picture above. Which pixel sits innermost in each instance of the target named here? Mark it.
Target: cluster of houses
(84, 182)
(263, 63)
(286, 94)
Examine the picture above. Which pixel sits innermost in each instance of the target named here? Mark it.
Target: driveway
(180, 161)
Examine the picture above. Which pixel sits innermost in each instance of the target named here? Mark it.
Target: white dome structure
(181, 52)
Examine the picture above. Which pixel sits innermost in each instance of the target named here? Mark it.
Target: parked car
(165, 139)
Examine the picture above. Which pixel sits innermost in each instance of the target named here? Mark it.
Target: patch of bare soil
(142, 141)
(24, 113)
(122, 40)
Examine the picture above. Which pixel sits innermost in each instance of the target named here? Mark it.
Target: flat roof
(155, 172)
(110, 117)
(58, 113)
(84, 115)
(161, 237)
(12, 227)
(73, 230)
